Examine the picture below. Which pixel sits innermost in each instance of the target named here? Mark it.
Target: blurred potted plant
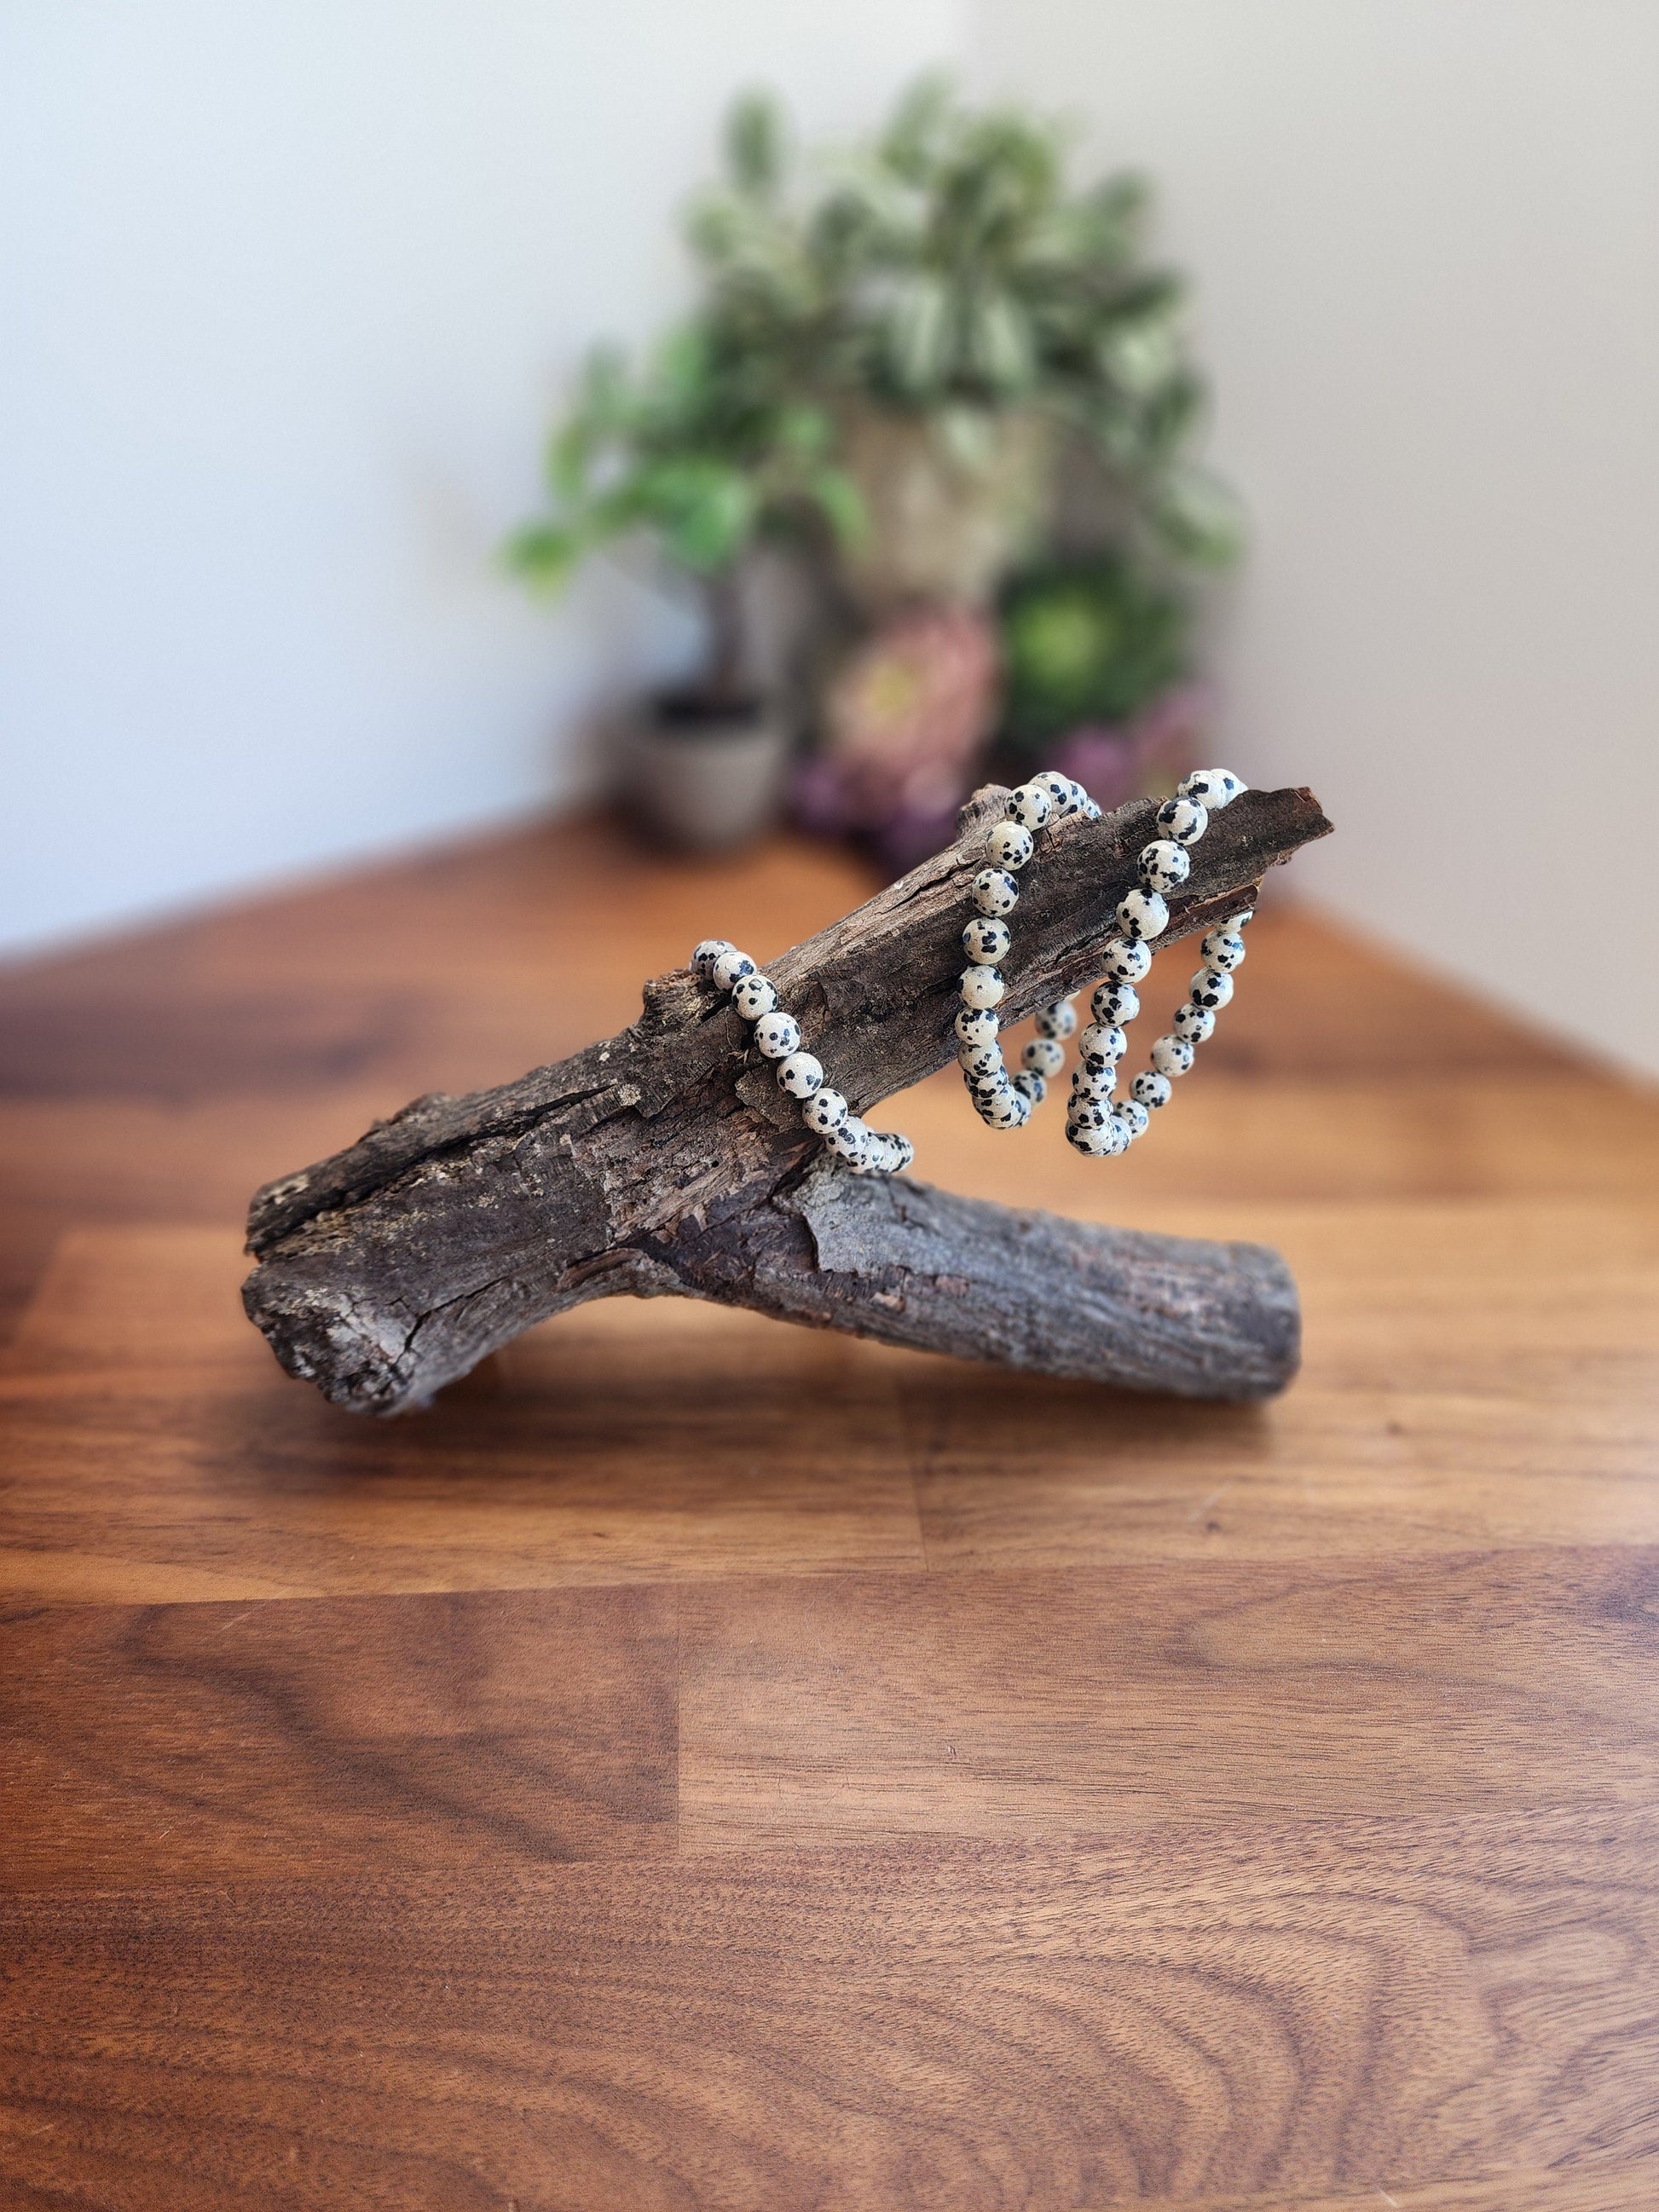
(715, 448)
(969, 318)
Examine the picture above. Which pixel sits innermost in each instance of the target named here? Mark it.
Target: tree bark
(666, 1160)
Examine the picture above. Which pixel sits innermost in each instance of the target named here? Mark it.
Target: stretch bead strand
(1001, 1099)
(776, 1034)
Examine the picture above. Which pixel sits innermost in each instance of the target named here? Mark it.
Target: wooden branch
(666, 1160)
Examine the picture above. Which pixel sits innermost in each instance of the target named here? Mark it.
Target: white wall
(1426, 237)
(289, 289)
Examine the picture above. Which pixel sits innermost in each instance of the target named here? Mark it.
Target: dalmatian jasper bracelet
(1094, 1124)
(800, 1074)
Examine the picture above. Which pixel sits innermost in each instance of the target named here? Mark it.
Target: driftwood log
(666, 1160)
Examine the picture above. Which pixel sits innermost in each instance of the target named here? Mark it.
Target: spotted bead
(995, 891)
(1047, 1055)
(1212, 987)
(1088, 1114)
(1150, 1089)
(1171, 1056)
(1142, 914)
(1057, 1020)
(1164, 865)
(1195, 1023)
(1095, 1082)
(730, 969)
(1009, 1109)
(1101, 1044)
(1211, 787)
(1127, 961)
(1031, 805)
(982, 987)
(984, 940)
(1183, 819)
(1241, 920)
(977, 1025)
(1030, 1085)
(824, 1111)
(1009, 844)
(1114, 1002)
(981, 1060)
(1067, 798)
(754, 996)
(851, 1139)
(1223, 949)
(1133, 1116)
(887, 1151)
(777, 1034)
(703, 959)
(1102, 1144)
(905, 1150)
(801, 1075)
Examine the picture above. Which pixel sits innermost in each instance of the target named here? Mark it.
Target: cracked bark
(665, 1161)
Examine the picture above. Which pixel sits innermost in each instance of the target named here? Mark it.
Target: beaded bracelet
(800, 1074)
(1094, 1126)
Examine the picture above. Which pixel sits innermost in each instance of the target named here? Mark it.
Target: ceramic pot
(951, 506)
(701, 777)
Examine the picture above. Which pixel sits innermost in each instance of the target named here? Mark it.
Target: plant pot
(948, 514)
(701, 776)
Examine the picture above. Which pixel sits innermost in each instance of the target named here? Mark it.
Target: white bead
(1164, 865)
(1195, 1023)
(1088, 1114)
(1091, 811)
(1030, 1085)
(1224, 948)
(905, 1150)
(1127, 961)
(984, 940)
(1171, 1056)
(824, 1111)
(801, 1075)
(851, 1138)
(1094, 1082)
(1009, 1109)
(1240, 921)
(1101, 1044)
(1212, 787)
(885, 1153)
(977, 1060)
(1114, 1002)
(1151, 1091)
(982, 987)
(1066, 797)
(729, 971)
(1212, 987)
(995, 891)
(1057, 1020)
(1094, 1144)
(1031, 805)
(977, 1025)
(703, 959)
(1133, 1116)
(1008, 845)
(1183, 819)
(1142, 914)
(754, 996)
(777, 1036)
(1045, 1055)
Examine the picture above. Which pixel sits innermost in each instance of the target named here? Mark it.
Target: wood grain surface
(703, 1764)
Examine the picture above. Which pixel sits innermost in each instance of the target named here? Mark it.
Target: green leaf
(544, 553)
(754, 145)
(918, 334)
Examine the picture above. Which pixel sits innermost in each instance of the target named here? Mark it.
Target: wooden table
(703, 1764)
